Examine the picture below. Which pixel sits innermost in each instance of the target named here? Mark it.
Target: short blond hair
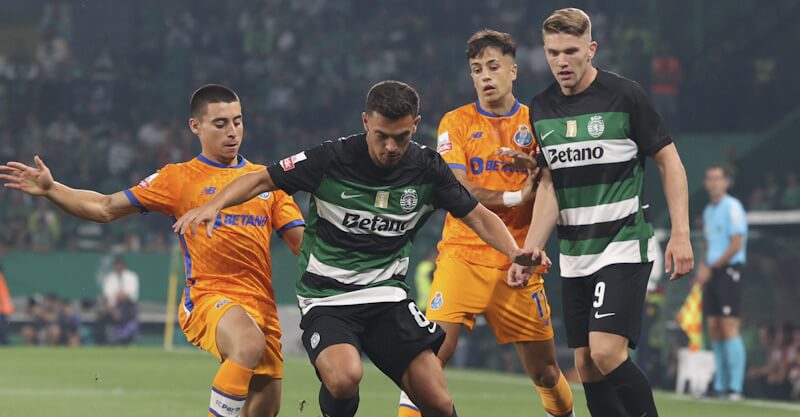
(571, 21)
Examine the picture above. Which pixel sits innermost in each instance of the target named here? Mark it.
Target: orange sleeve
(158, 192)
(6, 304)
(285, 213)
(450, 141)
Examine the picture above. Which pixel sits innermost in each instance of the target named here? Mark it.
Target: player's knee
(583, 363)
(248, 352)
(547, 376)
(343, 383)
(440, 405)
(606, 358)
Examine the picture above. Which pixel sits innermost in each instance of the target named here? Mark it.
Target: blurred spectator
(69, 323)
(117, 316)
(665, 83)
(760, 362)
(772, 191)
(44, 227)
(6, 308)
(791, 192)
(44, 321)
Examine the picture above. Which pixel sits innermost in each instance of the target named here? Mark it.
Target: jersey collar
(240, 158)
(487, 114)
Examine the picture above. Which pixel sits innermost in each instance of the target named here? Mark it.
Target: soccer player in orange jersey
(228, 305)
(470, 275)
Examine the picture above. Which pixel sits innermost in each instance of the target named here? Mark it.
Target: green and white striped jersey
(362, 218)
(595, 144)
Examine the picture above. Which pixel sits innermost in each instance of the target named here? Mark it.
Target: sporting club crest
(314, 340)
(409, 200)
(264, 196)
(596, 126)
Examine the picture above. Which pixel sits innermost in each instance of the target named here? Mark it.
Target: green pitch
(128, 382)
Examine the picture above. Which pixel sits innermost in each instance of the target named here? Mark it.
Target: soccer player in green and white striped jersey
(595, 130)
(371, 192)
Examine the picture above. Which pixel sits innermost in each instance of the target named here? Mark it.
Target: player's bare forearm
(676, 189)
(243, 189)
(89, 205)
(730, 252)
(545, 213)
(492, 230)
(294, 238)
(492, 199)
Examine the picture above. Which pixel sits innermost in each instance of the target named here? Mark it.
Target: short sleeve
(647, 127)
(159, 192)
(302, 171)
(450, 142)
(449, 194)
(737, 219)
(285, 213)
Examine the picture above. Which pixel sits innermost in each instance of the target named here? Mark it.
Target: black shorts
(391, 334)
(722, 295)
(610, 301)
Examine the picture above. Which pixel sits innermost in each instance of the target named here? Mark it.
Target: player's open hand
(34, 181)
(520, 159)
(525, 263)
(205, 214)
(678, 257)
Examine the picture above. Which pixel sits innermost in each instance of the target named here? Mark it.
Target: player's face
(716, 183)
(388, 139)
(492, 75)
(570, 57)
(220, 130)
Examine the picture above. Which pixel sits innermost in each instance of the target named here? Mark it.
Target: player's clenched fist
(206, 213)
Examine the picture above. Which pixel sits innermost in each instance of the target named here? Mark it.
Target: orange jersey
(469, 138)
(235, 261)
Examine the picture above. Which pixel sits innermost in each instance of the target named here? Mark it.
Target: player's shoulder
(734, 202)
(618, 84)
(468, 110)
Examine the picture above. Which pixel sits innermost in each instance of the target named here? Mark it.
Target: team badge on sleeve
(288, 163)
(437, 301)
(523, 137)
(145, 183)
(264, 196)
(443, 144)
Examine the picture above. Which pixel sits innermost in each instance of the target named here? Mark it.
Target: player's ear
(416, 122)
(592, 49)
(194, 126)
(365, 121)
(514, 72)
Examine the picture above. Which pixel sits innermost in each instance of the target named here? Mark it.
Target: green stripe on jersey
(590, 126)
(595, 195)
(354, 260)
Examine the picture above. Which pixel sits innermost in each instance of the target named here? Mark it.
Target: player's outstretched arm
(678, 256)
(498, 199)
(545, 213)
(237, 192)
(85, 204)
(294, 239)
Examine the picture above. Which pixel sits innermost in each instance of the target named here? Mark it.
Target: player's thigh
(331, 337)
(202, 321)
(265, 315)
(397, 335)
(264, 397)
(459, 291)
(618, 300)
(730, 291)
(452, 334)
(519, 314)
(424, 380)
(576, 304)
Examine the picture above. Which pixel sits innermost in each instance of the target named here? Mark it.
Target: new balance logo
(597, 315)
(209, 190)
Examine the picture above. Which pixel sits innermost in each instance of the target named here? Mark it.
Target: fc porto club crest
(437, 301)
(596, 126)
(264, 196)
(409, 199)
(523, 136)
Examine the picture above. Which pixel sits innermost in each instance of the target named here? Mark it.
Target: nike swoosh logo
(597, 315)
(547, 134)
(346, 196)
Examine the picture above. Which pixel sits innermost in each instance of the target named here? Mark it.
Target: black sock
(602, 400)
(633, 389)
(335, 407)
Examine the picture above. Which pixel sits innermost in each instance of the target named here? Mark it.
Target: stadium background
(99, 89)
